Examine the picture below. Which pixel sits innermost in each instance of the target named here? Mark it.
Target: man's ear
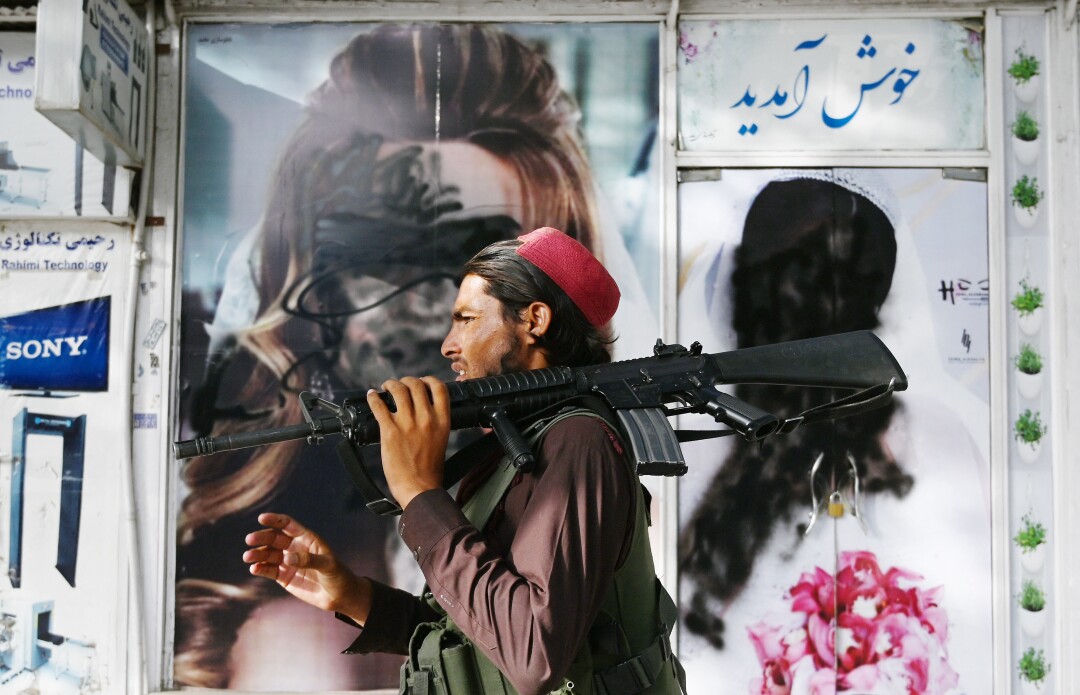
(537, 317)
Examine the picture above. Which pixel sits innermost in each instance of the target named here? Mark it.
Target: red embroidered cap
(570, 266)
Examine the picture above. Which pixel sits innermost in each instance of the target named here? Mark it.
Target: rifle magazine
(653, 442)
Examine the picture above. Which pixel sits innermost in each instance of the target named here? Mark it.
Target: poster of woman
(850, 556)
(336, 176)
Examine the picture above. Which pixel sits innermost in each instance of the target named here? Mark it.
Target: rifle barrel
(202, 446)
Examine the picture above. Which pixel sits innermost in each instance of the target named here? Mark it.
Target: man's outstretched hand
(305, 566)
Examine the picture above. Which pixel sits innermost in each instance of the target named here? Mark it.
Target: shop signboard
(831, 84)
(92, 57)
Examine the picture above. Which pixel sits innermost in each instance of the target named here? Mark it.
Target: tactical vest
(626, 652)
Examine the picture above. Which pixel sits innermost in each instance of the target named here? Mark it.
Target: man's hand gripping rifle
(643, 393)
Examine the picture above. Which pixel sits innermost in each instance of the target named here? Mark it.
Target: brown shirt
(527, 588)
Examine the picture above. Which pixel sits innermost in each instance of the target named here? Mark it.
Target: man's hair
(571, 341)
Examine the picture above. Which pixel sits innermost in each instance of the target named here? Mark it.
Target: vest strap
(642, 670)
(636, 673)
(479, 507)
(494, 683)
(417, 683)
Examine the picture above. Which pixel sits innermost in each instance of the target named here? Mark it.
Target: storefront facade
(749, 173)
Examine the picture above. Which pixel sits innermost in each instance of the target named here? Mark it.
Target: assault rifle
(643, 393)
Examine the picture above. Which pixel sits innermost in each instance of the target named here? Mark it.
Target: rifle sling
(377, 501)
(853, 404)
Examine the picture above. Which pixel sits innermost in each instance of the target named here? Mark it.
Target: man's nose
(449, 345)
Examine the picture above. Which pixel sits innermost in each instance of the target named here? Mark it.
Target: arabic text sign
(901, 84)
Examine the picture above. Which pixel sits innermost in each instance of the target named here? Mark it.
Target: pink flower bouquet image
(866, 631)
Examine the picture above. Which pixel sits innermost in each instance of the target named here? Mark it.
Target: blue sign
(114, 49)
(61, 348)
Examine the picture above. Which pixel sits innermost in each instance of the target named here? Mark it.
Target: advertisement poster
(64, 579)
(850, 555)
(336, 176)
(43, 171)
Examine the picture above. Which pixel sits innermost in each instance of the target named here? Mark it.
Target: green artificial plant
(1026, 193)
(1031, 535)
(1032, 598)
(1033, 666)
(1028, 299)
(1028, 428)
(1024, 67)
(1025, 127)
(1028, 361)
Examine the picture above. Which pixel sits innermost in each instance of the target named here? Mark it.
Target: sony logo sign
(50, 347)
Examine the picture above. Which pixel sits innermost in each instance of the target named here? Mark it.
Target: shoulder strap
(480, 506)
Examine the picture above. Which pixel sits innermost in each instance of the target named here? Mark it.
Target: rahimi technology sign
(92, 58)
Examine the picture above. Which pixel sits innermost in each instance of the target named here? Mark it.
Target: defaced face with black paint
(386, 259)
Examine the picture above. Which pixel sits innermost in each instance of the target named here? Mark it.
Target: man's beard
(510, 362)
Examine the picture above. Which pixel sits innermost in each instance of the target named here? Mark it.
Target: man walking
(539, 581)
